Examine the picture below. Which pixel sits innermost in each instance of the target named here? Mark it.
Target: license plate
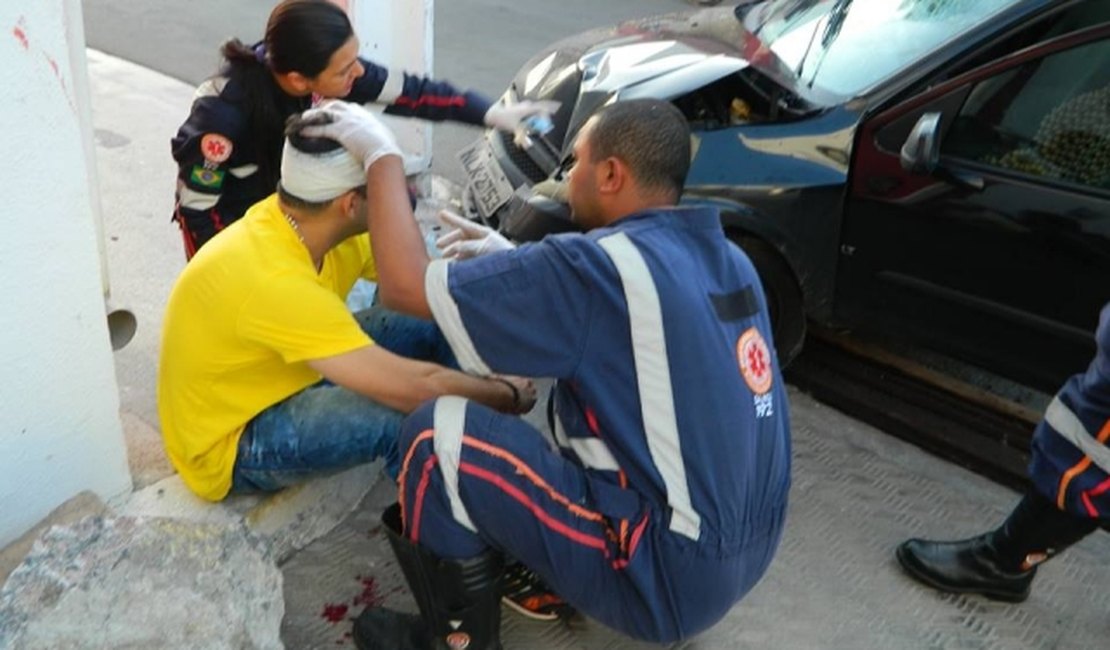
(489, 186)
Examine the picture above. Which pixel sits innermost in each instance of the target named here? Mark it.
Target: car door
(1000, 253)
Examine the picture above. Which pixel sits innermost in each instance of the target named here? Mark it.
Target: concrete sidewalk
(856, 494)
(834, 583)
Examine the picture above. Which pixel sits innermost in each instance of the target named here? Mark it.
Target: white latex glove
(508, 118)
(354, 127)
(468, 238)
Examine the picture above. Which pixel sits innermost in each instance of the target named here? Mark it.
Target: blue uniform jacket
(668, 383)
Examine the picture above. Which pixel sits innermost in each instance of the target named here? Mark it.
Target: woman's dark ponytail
(260, 99)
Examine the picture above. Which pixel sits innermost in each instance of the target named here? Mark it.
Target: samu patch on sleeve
(755, 365)
(215, 148)
(755, 361)
(205, 177)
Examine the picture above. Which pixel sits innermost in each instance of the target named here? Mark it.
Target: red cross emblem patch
(215, 147)
(755, 361)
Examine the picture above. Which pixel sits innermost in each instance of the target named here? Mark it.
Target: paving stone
(288, 520)
(126, 582)
(80, 506)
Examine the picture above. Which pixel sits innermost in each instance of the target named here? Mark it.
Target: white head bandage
(319, 177)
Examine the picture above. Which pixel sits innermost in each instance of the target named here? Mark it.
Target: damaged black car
(933, 170)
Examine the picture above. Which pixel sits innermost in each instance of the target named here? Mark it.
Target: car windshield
(845, 47)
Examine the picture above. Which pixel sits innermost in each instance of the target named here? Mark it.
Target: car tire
(784, 297)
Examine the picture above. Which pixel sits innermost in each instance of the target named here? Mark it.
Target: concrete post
(399, 34)
(60, 429)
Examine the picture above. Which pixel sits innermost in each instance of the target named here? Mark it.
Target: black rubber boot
(966, 566)
(1000, 564)
(459, 600)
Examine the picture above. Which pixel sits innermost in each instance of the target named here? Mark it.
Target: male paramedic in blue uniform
(1069, 498)
(665, 500)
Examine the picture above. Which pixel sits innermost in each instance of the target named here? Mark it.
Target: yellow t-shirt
(246, 313)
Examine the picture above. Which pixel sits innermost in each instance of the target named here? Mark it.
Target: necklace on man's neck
(296, 226)
(300, 235)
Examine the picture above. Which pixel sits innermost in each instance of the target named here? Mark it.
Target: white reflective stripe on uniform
(1064, 422)
(448, 421)
(595, 454)
(392, 88)
(653, 377)
(194, 200)
(243, 171)
(210, 88)
(446, 314)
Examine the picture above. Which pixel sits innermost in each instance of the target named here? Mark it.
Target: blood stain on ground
(333, 613)
(369, 596)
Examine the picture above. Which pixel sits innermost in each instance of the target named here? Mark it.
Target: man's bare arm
(403, 384)
(395, 238)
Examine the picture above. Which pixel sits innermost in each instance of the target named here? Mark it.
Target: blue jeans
(327, 428)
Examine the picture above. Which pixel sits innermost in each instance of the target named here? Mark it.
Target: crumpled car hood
(649, 69)
(661, 57)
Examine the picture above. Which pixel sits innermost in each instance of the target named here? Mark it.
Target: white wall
(399, 35)
(59, 406)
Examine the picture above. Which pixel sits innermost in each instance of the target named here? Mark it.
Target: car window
(1052, 25)
(845, 47)
(1048, 118)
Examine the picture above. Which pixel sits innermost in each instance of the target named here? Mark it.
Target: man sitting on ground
(266, 379)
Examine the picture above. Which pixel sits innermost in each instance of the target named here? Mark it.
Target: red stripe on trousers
(186, 236)
(523, 469)
(216, 220)
(402, 478)
(421, 488)
(636, 535)
(546, 519)
(1094, 492)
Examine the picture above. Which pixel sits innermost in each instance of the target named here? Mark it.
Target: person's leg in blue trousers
(473, 479)
(326, 428)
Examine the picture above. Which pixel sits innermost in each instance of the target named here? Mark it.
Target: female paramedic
(228, 151)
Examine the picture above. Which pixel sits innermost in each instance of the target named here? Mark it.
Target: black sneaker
(528, 594)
